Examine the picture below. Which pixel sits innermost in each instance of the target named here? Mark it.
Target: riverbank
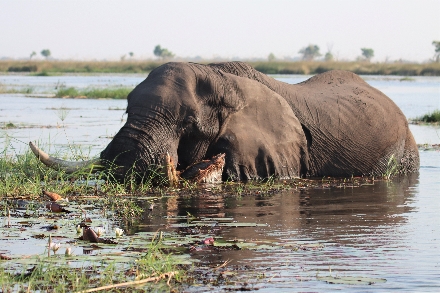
(43, 68)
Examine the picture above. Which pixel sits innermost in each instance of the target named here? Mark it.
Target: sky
(239, 29)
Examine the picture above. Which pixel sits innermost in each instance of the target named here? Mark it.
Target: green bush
(67, 92)
(431, 117)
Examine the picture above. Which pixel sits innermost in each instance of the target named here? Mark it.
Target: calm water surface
(390, 230)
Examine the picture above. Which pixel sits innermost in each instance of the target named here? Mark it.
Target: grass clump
(155, 269)
(21, 90)
(24, 177)
(93, 93)
(433, 117)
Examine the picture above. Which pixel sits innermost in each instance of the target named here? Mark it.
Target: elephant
(333, 124)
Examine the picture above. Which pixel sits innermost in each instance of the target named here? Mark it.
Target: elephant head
(193, 112)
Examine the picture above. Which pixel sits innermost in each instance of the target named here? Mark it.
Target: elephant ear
(261, 138)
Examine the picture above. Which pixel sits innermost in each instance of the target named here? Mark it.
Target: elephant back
(355, 128)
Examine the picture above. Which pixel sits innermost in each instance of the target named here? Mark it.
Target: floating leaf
(217, 219)
(347, 280)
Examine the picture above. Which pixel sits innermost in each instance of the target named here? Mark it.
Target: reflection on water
(378, 231)
(387, 230)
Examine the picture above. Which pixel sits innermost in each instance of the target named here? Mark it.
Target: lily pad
(347, 280)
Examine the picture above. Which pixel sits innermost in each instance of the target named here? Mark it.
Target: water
(388, 230)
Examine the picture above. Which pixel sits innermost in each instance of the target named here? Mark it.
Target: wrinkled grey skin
(333, 124)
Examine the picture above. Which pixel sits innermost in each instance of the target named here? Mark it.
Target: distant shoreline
(52, 67)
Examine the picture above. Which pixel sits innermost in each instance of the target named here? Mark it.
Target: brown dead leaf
(52, 195)
(56, 208)
(90, 235)
(5, 257)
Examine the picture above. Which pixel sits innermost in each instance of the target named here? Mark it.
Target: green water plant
(93, 93)
(392, 168)
(154, 269)
(432, 117)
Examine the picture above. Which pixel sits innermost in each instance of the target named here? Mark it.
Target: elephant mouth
(206, 171)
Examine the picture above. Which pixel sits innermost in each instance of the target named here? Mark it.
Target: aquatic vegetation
(54, 247)
(349, 280)
(391, 169)
(432, 117)
(119, 232)
(11, 90)
(407, 78)
(93, 93)
(68, 251)
(77, 271)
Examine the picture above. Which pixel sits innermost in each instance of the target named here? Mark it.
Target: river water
(389, 230)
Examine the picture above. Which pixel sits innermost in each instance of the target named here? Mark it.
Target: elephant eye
(189, 120)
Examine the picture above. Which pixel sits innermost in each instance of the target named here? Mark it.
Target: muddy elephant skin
(333, 124)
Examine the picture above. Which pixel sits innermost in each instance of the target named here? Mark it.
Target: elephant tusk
(169, 170)
(62, 165)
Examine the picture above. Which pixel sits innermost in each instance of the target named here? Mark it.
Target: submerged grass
(24, 90)
(56, 275)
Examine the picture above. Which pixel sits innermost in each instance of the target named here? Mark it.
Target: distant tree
(436, 44)
(162, 52)
(131, 54)
(310, 52)
(271, 57)
(368, 53)
(32, 54)
(329, 55)
(158, 51)
(45, 53)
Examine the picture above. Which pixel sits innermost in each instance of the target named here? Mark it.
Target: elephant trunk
(140, 149)
(62, 165)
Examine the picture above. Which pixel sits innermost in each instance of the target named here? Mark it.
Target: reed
(57, 276)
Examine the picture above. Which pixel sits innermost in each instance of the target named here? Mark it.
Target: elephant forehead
(161, 98)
